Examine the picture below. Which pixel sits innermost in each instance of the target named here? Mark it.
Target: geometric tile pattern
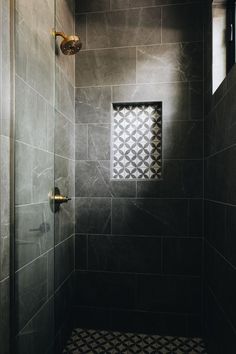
(136, 140)
(88, 341)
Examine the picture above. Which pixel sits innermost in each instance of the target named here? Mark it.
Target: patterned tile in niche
(136, 140)
(88, 341)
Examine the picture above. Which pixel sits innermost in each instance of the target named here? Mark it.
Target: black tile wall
(138, 244)
(220, 207)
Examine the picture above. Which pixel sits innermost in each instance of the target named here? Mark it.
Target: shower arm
(59, 34)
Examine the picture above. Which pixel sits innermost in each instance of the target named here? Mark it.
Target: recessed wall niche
(136, 141)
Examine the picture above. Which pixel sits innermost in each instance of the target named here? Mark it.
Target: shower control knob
(56, 199)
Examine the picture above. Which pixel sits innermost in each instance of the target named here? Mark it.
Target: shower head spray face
(70, 45)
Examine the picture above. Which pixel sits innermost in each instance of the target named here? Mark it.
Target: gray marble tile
(124, 254)
(122, 4)
(31, 290)
(99, 136)
(34, 179)
(5, 316)
(5, 62)
(92, 5)
(124, 28)
(182, 140)
(38, 334)
(174, 97)
(93, 180)
(80, 29)
(64, 255)
(34, 232)
(5, 207)
(65, 221)
(35, 66)
(182, 23)
(169, 63)
(64, 175)
(196, 100)
(180, 179)
(81, 141)
(106, 67)
(93, 105)
(34, 117)
(93, 215)
(64, 136)
(167, 217)
(64, 100)
(80, 251)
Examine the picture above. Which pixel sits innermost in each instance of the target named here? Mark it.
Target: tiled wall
(64, 176)
(44, 154)
(220, 209)
(138, 244)
(4, 174)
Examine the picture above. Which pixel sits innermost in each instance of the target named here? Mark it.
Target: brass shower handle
(56, 199)
(60, 198)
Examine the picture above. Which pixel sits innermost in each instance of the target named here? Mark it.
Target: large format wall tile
(92, 5)
(35, 66)
(34, 232)
(32, 291)
(5, 207)
(121, 4)
(35, 178)
(5, 316)
(106, 67)
(124, 254)
(182, 140)
(38, 334)
(93, 215)
(149, 217)
(64, 136)
(168, 294)
(169, 63)
(34, 117)
(180, 179)
(64, 255)
(93, 180)
(182, 256)
(93, 105)
(182, 23)
(64, 95)
(119, 289)
(124, 28)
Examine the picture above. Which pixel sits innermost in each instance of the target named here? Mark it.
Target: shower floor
(88, 341)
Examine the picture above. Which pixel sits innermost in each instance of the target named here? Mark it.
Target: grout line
(139, 7)
(141, 236)
(140, 84)
(187, 276)
(158, 44)
(220, 254)
(219, 202)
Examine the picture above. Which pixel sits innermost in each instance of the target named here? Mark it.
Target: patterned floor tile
(89, 341)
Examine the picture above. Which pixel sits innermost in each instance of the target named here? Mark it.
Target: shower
(70, 45)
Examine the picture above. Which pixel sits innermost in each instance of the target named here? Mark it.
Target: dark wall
(220, 211)
(138, 245)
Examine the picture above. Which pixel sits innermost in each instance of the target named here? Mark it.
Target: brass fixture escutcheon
(56, 199)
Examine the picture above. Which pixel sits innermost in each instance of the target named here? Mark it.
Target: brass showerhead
(70, 45)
